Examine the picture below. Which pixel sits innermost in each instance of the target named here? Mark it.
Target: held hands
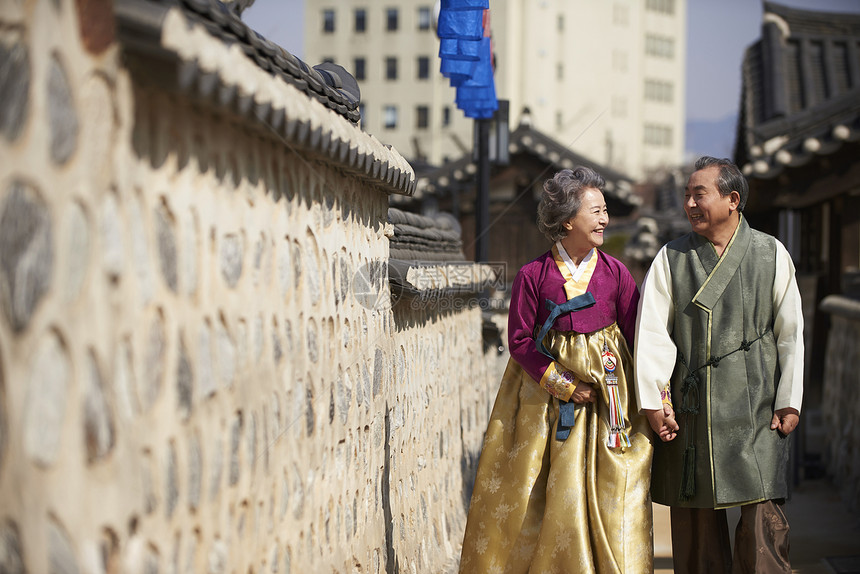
(663, 422)
(785, 420)
(583, 393)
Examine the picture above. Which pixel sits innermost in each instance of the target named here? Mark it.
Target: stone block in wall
(62, 113)
(841, 396)
(99, 424)
(15, 77)
(26, 252)
(45, 403)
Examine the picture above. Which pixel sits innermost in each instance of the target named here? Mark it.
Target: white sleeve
(788, 331)
(654, 351)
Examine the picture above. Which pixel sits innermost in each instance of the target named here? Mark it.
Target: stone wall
(841, 397)
(190, 378)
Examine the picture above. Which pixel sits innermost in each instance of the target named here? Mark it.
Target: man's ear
(734, 200)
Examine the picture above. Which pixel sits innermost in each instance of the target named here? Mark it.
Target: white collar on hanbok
(576, 271)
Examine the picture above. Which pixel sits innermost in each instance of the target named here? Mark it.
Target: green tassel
(688, 478)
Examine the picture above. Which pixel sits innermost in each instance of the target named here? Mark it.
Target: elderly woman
(563, 480)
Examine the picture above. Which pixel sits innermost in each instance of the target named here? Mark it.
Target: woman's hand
(663, 422)
(583, 393)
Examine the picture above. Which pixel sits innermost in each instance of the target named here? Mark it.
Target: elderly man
(719, 373)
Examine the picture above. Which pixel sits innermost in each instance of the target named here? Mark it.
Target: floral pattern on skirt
(546, 506)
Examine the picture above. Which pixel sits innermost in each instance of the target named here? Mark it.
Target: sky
(718, 33)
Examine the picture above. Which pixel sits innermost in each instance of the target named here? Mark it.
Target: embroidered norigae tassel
(688, 477)
(617, 437)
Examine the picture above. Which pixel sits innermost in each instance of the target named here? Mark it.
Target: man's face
(708, 211)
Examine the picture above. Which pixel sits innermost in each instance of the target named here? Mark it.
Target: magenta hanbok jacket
(613, 288)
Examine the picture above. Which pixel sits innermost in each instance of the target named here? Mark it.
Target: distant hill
(711, 137)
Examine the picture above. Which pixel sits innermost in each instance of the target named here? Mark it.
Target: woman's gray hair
(730, 178)
(561, 198)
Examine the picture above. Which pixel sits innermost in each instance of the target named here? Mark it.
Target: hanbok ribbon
(555, 311)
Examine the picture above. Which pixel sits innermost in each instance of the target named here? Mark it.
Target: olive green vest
(726, 372)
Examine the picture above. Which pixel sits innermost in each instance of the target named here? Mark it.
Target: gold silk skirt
(546, 506)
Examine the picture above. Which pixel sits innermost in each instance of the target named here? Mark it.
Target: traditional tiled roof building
(800, 106)
(514, 190)
(798, 143)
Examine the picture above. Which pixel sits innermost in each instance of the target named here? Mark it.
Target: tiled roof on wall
(204, 50)
(427, 262)
(801, 90)
(527, 140)
(423, 237)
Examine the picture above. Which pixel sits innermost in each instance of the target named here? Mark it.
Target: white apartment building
(603, 77)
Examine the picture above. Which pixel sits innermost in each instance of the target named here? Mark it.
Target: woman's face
(585, 230)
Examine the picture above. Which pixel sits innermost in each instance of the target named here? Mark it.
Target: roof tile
(219, 59)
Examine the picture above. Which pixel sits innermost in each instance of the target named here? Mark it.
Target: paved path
(825, 535)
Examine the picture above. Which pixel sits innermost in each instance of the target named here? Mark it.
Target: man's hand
(583, 393)
(663, 422)
(785, 420)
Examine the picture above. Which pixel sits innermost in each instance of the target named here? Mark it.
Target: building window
(328, 21)
(662, 6)
(446, 116)
(620, 15)
(422, 117)
(559, 120)
(658, 91)
(390, 68)
(619, 106)
(328, 60)
(559, 23)
(658, 136)
(362, 111)
(423, 17)
(559, 71)
(619, 61)
(423, 67)
(359, 67)
(389, 115)
(391, 19)
(659, 46)
(619, 156)
(360, 20)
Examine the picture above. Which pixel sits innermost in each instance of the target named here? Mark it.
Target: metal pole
(482, 197)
